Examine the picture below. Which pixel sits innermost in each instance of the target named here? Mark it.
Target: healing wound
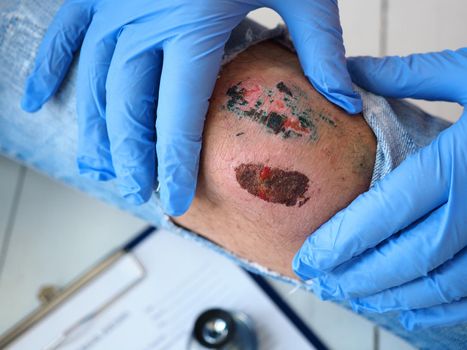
(273, 184)
(277, 108)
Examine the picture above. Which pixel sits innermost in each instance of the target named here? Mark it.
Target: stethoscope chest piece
(223, 330)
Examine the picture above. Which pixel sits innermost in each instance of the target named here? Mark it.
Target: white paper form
(182, 280)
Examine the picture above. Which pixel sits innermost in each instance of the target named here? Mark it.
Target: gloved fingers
(94, 158)
(389, 206)
(417, 250)
(436, 316)
(446, 284)
(132, 90)
(432, 76)
(61, 41)
(317, 35)
(191, 65)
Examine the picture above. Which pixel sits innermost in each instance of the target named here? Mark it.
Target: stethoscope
(223, 330)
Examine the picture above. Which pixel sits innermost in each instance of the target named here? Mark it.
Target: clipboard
(126, 271)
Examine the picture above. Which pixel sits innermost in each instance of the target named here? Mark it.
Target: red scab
(294, 124)
(252, 92)
(280, 104)
(262, 194)
(265, 173)
(276, 106)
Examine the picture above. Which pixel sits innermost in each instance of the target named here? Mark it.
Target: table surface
(50, 234)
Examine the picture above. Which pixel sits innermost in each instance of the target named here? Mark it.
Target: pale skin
(294, 129)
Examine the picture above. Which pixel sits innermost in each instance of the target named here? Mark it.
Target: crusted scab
(275, 122)
(273, 185)
(284, 88)
(237, 96)
(280, 109)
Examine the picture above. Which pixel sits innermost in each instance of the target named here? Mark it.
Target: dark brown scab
(284, 88)
(236, 94)
(327, 120)
(273, 185)
(275, 122)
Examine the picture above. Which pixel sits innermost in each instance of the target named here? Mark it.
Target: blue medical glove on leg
(143, 58)
(403, 244)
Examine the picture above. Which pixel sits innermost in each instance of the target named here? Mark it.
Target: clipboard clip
(82, 324)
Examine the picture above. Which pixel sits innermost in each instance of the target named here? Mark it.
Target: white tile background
(426, 26)
(43, 223)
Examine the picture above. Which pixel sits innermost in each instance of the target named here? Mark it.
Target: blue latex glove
(140, 55)
(403, 244)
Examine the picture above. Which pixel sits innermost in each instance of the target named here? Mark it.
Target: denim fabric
(46, 141)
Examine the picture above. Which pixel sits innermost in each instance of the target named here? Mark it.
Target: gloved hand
(403, 244)
(140, 54)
